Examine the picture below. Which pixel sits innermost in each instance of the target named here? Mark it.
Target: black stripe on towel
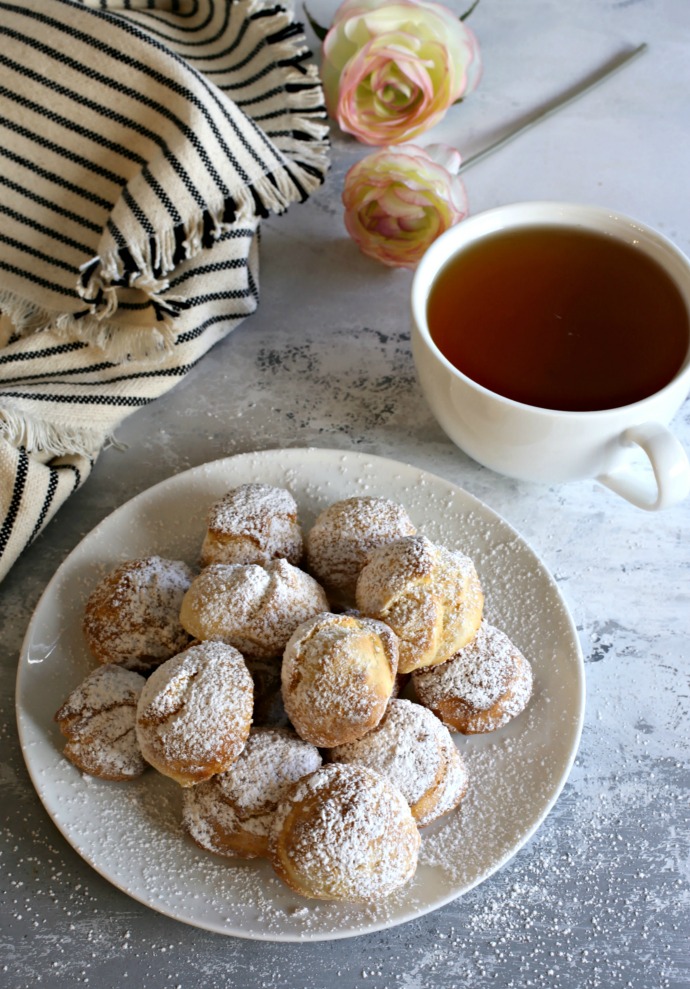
(17, 493)
(124, 401)
(53, 478)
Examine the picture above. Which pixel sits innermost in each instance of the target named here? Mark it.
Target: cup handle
(669, 463)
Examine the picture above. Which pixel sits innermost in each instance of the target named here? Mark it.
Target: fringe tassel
(120, 343)
(36, 435)
(302, 90)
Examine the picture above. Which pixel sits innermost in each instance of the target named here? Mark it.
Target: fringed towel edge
(120, 344)
(24, 431)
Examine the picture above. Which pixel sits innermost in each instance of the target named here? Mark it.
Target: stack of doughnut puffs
(301, 689)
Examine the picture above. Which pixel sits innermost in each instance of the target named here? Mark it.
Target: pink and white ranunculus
(391, 68)
(398, 200)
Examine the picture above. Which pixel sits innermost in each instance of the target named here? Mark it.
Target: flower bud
(398, 200)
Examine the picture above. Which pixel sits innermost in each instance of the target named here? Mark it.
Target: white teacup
(540, 444)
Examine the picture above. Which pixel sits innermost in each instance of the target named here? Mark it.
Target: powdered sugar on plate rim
(516, 773)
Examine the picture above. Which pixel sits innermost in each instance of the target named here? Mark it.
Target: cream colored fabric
(141, 144)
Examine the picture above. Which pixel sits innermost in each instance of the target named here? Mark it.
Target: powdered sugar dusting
(253, 523)
(132, 616)
(412, 749)
(194, 712)
(456, 782)
(254, 608)
(460, 843)
(489, 673)
(345, 833)
(341, 540)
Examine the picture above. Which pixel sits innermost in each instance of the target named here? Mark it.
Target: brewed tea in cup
(550, 337)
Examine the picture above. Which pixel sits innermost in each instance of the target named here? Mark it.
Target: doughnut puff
(343, 535)
(254, 608)
(195, 713)
(253, 523)
(344, 833)
(429, 595)
(338, 674)
(231, 814)
(416, 752)
(481, 688)
(98, 721)
(132, 616)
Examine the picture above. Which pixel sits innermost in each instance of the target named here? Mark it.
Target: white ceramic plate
(130, 832)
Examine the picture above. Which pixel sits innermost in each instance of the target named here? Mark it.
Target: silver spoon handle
(544, 111)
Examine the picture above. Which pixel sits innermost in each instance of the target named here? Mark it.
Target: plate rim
(307, 936)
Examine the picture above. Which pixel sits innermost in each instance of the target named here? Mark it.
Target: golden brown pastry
(338, 674)
(98, 721)
(413, 750)
(256, 609)
(195, 713)
(338, 544)
(231, 814)
(429, 595)
(132, 616)
(481, 688)
(253, 523)
(344, 833)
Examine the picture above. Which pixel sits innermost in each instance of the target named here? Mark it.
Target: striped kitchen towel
(141, 143)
